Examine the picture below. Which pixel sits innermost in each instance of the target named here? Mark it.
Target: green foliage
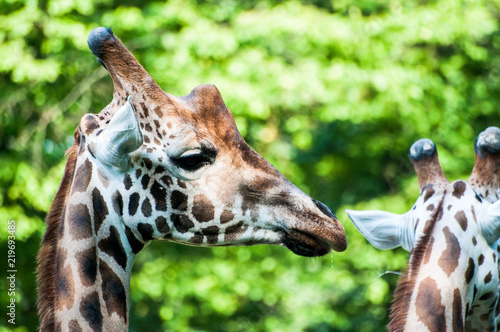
(333, 93)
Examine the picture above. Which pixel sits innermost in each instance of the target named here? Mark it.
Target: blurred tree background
(333, 93)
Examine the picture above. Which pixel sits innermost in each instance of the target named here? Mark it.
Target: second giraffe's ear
(121, 137)
(385, 230)
(490, 223)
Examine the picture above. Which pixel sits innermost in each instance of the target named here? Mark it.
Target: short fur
(47, 254)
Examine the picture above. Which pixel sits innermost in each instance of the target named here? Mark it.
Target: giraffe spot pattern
(232, 232)
(480, 260)
(127, 181)
(112, 246)
(167, 180)
(428, 306)
(159, 194)
(429, 191)
(226, 216)
(178, 200)
(146, 231)
(162, 225)
(73, 326)
(135, 244)
(474, 241)
(197, 238)
(90, 310)
(458, 189)
(181, 222)
(203, 209)
(148, 163)
(82, 177)
(212, 234)
(117, 202)
(138, 173)
(133, 204)
(146, 208)
(79, 222)
(181, 184)
(113, 291)
(488, 278)
(430, 207)
(65, 287)
(145, 181)
(100, 209)
(469, 273)
(457, 320)
(87, 266)
(461, 219)
(449, 258)
(91, 124)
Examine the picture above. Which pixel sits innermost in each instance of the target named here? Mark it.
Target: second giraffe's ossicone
(152, 166)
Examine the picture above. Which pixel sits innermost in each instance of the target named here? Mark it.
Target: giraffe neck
(452, 280)
(87, 256)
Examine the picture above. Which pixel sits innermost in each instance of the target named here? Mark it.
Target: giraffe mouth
(305, 244)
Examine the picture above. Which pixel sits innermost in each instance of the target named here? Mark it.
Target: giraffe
(152, 166)
(452, 231)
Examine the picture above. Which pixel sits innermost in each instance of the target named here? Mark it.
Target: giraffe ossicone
(452, 232)
(152, 166)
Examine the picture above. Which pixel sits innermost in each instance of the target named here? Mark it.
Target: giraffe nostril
(323, 208)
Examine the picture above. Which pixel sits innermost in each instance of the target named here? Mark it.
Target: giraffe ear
(490, 225)
(121, 137)
(385, 230)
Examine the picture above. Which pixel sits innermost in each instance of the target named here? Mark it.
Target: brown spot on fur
(480, 259)
(133, 203)
(487, 278)
(458, 189)
(232, 232)
(196, 239)
(135, 244)
(117, 202)
(127, 181)
(428, 306)
(100, 209)
(449, 258)
(148, 127)
(457, 320)
(159, 194)
(82, 177)
(113, 291)
(429, 191)
(79, 222)
(91, 124)
(162, 225)
(181, 222)
(474, 241)
(203, 209)
(146, 208)
(90, 309)
(226, 216)
(212, 234)
(73, 326)
(178, 200)
(65, 287)
(430, 207)
(138, 173)
(112, 245)
(146, 231)
(87, 266)
(469, 273)
(461, 219)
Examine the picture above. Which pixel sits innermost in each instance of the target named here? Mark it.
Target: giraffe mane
(46, 260)
(406, 283)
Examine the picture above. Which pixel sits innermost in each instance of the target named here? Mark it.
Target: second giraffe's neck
(449, 285)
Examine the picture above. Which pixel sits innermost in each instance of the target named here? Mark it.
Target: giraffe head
(451, 233)
(184, 172)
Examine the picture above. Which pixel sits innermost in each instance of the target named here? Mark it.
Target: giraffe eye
(194, 160)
